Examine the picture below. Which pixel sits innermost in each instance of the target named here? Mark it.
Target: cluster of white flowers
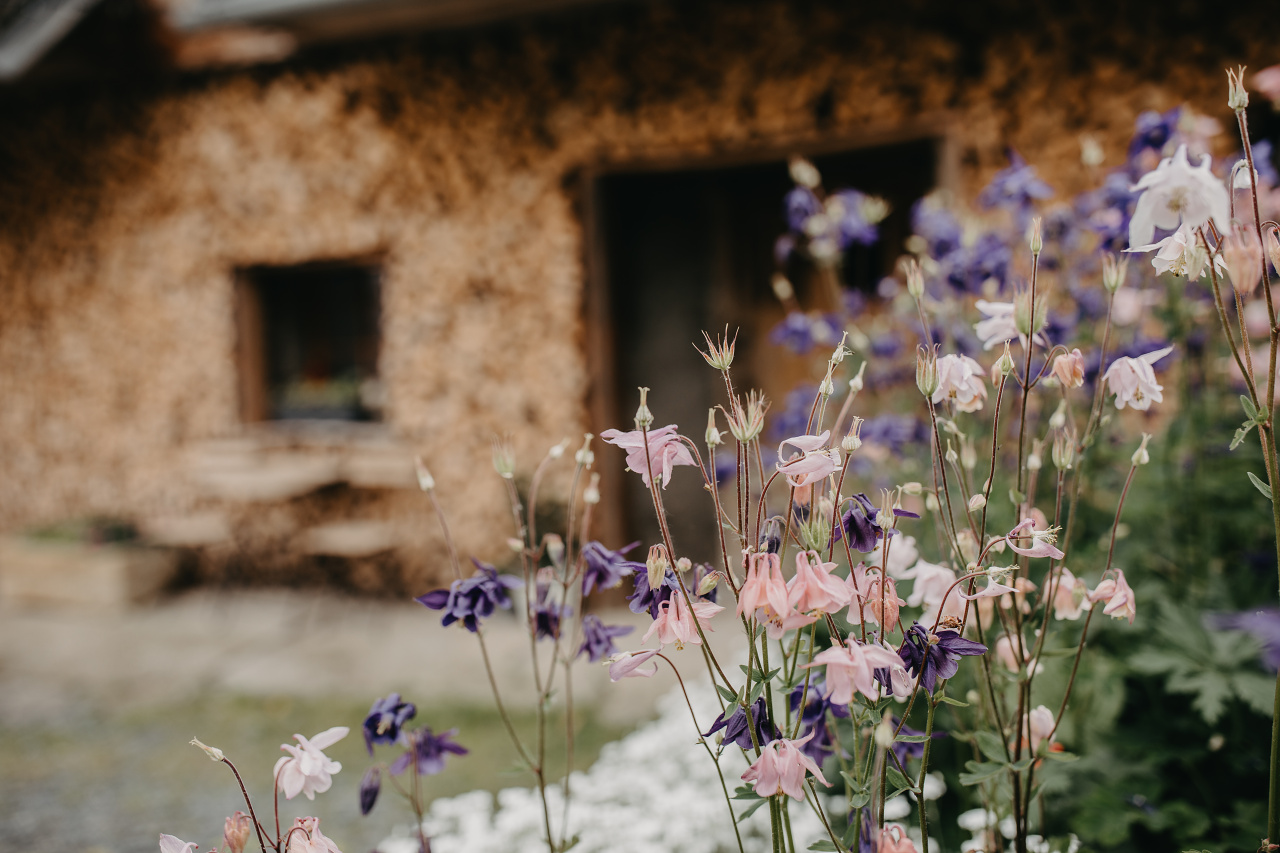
(654, 791)
(984, 826)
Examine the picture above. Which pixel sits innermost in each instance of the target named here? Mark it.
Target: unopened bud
(855, 384)
(684, 564)
(915, 277)
(968, 454)
(931, 502)
(644, 417)
(212, 751)
(709, 582)
(1004, 364)
(884, 732)
(1140, 456)
(557, 450)
(585, 456)
(719, 352)
(803, 172)
(853, 439)
(976, 503)
(370, 785)
(657, 564)
(782, 288)
(714, 439)
(1273, 248)
(951, 455)
(826, 387)
(425, 481)
(591, 494)
(912, 488)
(838, 355)
(555, 548)
(1114, 272)
(1034, 462)
(1059, 416)
(236, 829)
(515, 543)
(1237, 94)
(1036, 236)
(504, 459)
(926, 371)
(1028, 325)
(1063, 452)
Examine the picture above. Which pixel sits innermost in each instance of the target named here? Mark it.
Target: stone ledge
(36, 573)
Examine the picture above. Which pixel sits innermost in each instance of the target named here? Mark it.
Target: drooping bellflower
(474, 598)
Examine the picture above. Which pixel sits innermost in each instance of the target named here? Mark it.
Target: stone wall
(457, 158)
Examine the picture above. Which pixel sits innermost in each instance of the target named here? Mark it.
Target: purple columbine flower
(905, 750)
(547, 614)
(385, 719)
(799, 332)
(646, 599)
(894, 431)
(793, 419)
(605, 569)
(1153, 130)
(370, 785)
(1263, 624)
(735, 727)
(860, 523)
(428, 750)
(800, 204)
(852, 227)
(939, 654)
(1016, 187)
(940, 230)
(597, 638)
(472, 599)
(814, 719)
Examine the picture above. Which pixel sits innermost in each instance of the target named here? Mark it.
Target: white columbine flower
(960, 381)
(999, 325)
(1181, 254)
(307, 770)
(1177, 194)
(1134, 382)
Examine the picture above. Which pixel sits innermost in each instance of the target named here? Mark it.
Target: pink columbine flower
(1007, 652)
(851, 668)
(815, 461)
(1267, 82)
(814, 589)
(764, 586)
(306, 769)
(882, 593)
(1118, 596)
(992, 589)
(1069, 369)
(1070, 596)
(781, 769)
(631, 665)
(960, 381)
(173, 844)
(894, 839)
(902, 556)
(932, 582)
(236, 830)
(1039, 726)
(1041, 544)
(305, 837)
(666, 451)
(674, 622)
(1178, 194)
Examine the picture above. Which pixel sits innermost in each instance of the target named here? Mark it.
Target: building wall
(459, 159)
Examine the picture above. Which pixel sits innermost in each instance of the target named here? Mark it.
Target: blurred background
(257, 254)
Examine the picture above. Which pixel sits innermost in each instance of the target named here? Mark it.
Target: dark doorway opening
(692, 249)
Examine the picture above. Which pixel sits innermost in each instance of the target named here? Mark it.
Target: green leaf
(1023, 764)
(851, 834)
(912, 738)
(859, 799)
(1061, 756)
(1240, 435)
(947, 700)
(1255, 689)
(896, 779)
(1261, 486)
(729, 695)
(1016, 497)
(979, 772)
(751, 809)
(755, 692)
(1249, 409)
(745, 792)
(992, 746)
(824, 846)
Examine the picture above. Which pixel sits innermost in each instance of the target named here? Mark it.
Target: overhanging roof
(28, 28)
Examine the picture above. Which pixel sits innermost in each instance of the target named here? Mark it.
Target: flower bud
(235, 831)
(515, 543)
(1028, 325)
(915, 277)
(425, 481)
(1091, 153)
(644, 417)
(838, 355)
(1004, 364)
(1243, 256)
(504, 459)
(826, 387)
(557, 450)
(714, 438)
(951, 455)
(968, 454)
(1140, 456)
(912, 488)
(555, 548)
(719, 352)
(1068, 369)
(584, 456)
(1063, 452)
(931, 502)
(927, 371)
(977, 502)
(709, 582)
(1237, 94)
(803, 172)
(1034, 459)
(853, 439)
(1114, 272)
(1273, 248)
(968, 545)
(873, 209)
(212, 751)
(657, 564)
(855, 384)
(1059, 416)
(884, 732)
(782, 288)
(370, 785)
(591, 494)
(1036, 236)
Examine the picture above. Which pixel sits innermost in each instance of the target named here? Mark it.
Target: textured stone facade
(459, 161)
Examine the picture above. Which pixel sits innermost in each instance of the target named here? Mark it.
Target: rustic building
(254, 255)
